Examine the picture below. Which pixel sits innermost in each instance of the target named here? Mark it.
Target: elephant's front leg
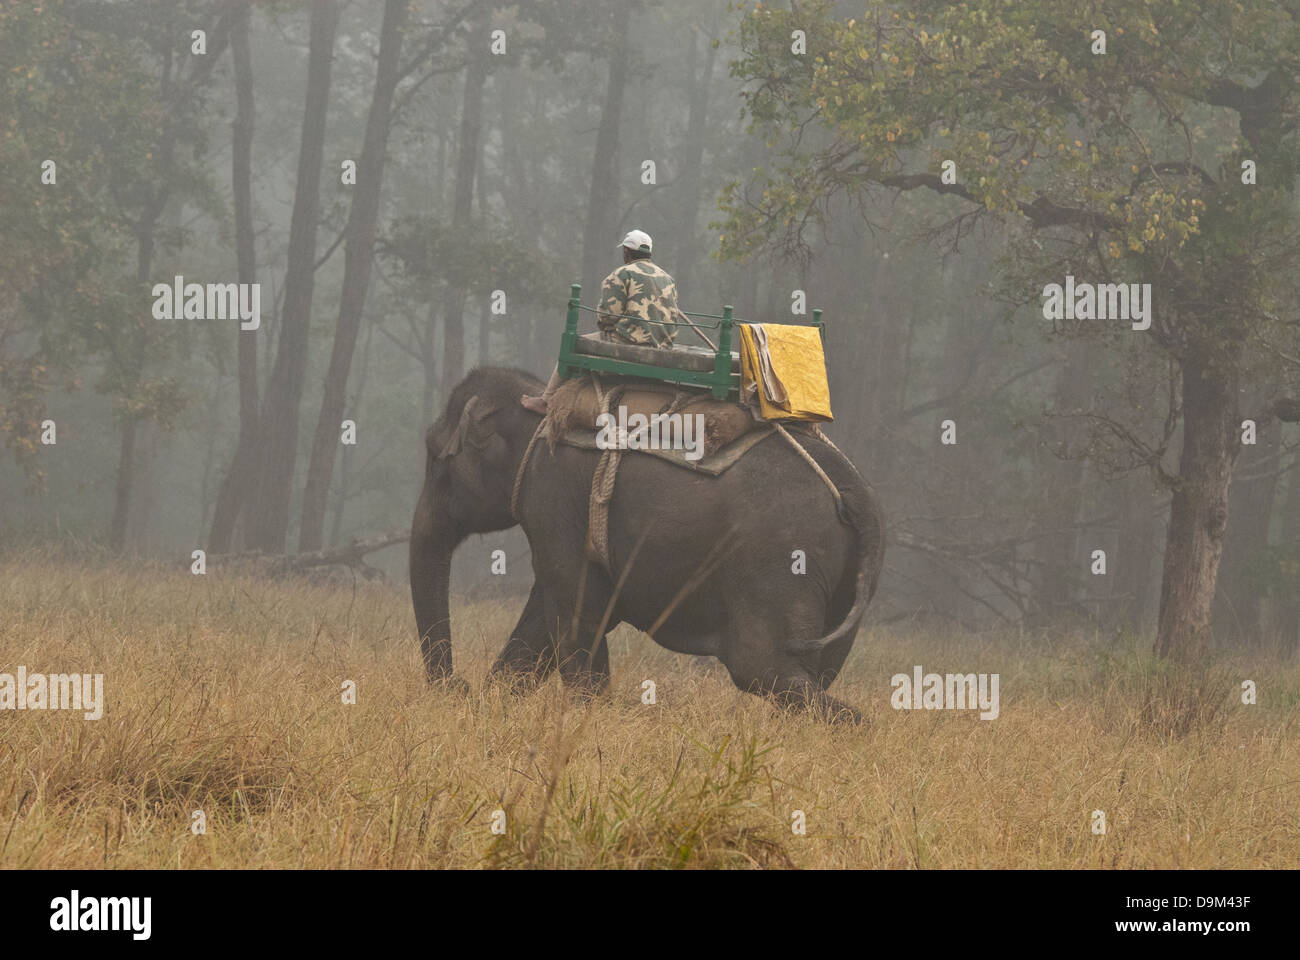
(529, 656)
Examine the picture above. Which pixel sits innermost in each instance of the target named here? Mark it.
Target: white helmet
(637, 240)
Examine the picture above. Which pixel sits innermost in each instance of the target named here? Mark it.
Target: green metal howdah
(722, 379)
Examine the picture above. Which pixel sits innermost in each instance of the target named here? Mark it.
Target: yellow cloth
(789, 377)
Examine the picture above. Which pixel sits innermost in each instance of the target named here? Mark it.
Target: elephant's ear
(470, 428)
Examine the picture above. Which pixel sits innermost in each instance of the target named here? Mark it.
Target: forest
(260, 261)
(413, 186)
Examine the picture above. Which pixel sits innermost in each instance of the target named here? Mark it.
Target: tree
(182, 76)
(467, 161)
(237, 486)
(602, 205)
(1124, 166)
(269, 520)
(59, 251)
(358, 252)
(113, 97)
(692, 151)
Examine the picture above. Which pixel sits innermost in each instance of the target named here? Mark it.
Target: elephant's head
(473, 453)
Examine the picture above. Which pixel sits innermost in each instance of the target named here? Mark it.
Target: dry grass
(224, 695)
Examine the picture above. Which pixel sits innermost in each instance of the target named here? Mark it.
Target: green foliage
(99, 89)
(62, 98)
(709, 814)
(1117, 167)
(1133, 148)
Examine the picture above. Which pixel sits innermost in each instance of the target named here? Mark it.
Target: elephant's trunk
(433, 540)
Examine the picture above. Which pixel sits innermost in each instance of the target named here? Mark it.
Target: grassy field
(223, 695)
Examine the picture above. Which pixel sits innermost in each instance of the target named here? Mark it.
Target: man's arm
(613, 301)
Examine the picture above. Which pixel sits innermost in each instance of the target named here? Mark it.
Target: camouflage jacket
(636, 292)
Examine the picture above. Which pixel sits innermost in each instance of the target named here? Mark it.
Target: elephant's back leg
(759, 654)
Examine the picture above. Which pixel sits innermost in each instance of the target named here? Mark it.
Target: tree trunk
(126, 451)
(1198, 515)
(269, 520)
(358, 253)
(150, 451)
(471, 123)
(545, 331)
(692, 165)
(1288, 613)
(598, 240)
(346, 457)
(1241, 589)
(237, 487)
(429, 367)
(531, 335)
(125, 480)
(485, 333)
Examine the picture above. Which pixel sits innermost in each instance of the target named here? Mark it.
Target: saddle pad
(712, 464)
(575, 406)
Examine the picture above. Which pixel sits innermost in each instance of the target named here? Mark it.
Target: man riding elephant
(716, 581)
(638, 305)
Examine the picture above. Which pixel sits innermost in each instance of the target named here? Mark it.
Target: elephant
(707, 565)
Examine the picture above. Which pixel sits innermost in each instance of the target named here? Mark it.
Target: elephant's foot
(528, 657)
(584, 668)
(834, 710)
(588, 692)
(436, 655)
(585, 684)
(449, 683)
(802, 694)
(520, 677)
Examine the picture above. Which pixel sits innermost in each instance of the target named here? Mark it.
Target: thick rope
(602, 485)
(595, 385)
(808, 458)
(523, 465)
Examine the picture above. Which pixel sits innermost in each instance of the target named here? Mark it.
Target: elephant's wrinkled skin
(779, 633)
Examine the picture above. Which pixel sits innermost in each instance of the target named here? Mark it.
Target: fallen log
(351, 554)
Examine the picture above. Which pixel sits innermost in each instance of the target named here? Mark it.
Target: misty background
(519, 172)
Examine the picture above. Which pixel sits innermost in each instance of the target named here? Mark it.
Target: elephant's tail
(861, 512)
